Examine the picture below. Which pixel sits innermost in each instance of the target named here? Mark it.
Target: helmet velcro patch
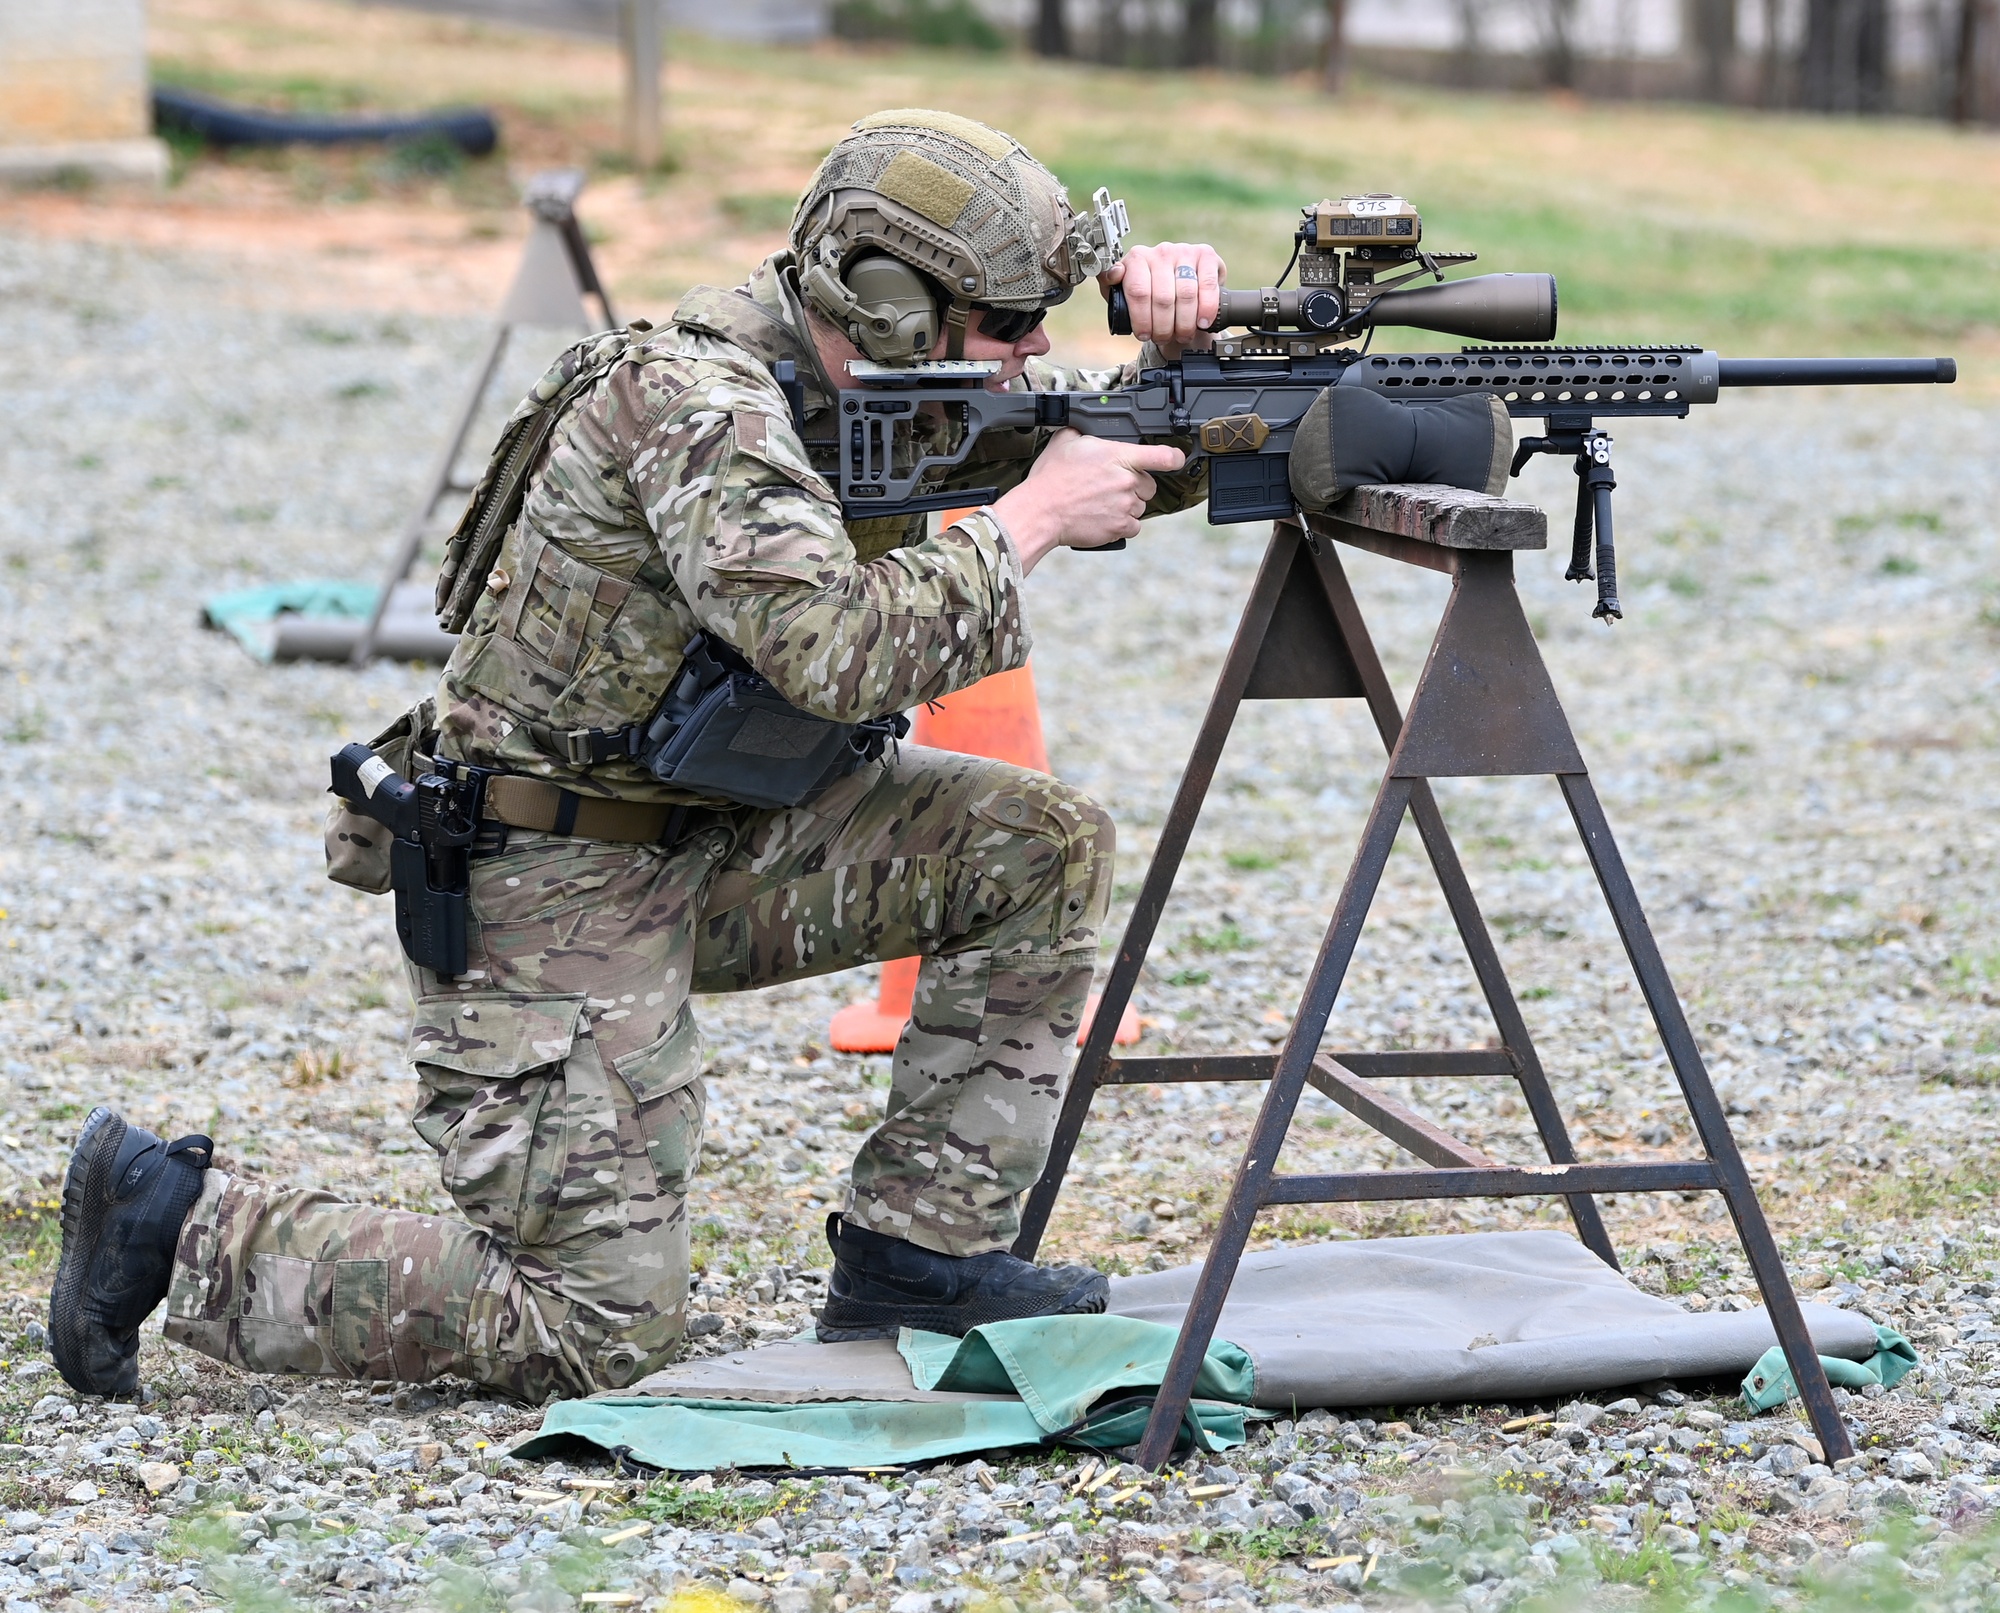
(917, 182)
(977, 135)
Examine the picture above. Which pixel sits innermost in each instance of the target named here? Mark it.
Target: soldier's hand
(1083, 492)
(1173, 290)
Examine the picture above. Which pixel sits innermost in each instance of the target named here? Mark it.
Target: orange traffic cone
(998, 717)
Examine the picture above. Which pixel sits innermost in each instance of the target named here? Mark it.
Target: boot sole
(859, 1322)
(81, 1189)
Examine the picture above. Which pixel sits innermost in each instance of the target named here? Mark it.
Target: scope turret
(1292, 308)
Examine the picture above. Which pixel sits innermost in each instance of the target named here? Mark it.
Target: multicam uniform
(561, 1076)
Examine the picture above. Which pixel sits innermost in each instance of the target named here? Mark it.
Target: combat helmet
(965, 206)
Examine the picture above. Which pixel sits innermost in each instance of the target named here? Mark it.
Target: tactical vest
(563, 650)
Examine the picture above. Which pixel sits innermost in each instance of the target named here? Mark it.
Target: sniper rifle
(1238, 405)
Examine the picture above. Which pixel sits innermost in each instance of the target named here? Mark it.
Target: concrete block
(112, 162)
(73, 92)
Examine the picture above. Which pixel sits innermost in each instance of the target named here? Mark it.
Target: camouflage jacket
(675, 497)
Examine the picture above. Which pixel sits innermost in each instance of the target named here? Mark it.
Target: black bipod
(1591, 538)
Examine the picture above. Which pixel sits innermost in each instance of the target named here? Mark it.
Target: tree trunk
(1844, 66)
(1264, 45)
(1333, 68)
(1051, 28)
(1469, 54)
(1715, 44)
(1112, 48)
(1771, 75)
(1967, 99)
(1198, 34)
(1559, 44)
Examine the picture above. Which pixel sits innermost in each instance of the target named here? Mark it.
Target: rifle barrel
(1838, 371)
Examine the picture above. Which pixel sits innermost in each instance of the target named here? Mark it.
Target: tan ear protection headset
(881, 304)
(890, 311)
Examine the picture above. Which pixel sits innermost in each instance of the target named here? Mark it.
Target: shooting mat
(1379, 1322)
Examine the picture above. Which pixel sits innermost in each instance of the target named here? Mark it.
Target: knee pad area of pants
(1083, 838)
(621, 1359)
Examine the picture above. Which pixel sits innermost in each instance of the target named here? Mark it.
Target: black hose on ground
(471, 129)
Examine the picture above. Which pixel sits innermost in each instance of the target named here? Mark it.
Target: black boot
(881, 1284)
(125, 1196)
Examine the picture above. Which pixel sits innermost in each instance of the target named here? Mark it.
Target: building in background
(74, 100)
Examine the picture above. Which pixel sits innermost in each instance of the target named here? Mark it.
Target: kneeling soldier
(672, 490)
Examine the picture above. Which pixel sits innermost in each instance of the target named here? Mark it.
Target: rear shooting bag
(1352, 437)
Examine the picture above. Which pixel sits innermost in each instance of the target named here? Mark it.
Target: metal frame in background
(555, 275)
(1484, 707)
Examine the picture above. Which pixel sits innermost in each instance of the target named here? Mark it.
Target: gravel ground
(1793, 732)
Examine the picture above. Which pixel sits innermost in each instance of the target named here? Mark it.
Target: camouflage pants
(561, 1078)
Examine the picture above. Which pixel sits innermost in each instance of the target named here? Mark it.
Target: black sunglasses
(1008, 324)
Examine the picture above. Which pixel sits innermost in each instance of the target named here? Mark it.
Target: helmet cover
(962, 202)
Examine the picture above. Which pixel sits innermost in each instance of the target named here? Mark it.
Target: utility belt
(720, 731)
(724, 730)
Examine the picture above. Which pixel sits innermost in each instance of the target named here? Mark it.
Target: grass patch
(1226, 937)
(311, 1068)
(31, 1235)
(940, 24)
(1652, 1566)
(1966, 1186)
(1252, 862)
(760, 212)
(670, 1501)
(1189, 977)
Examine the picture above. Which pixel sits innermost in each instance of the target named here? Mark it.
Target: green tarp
(240, 614)
(1770, 1382)
(1058, 1367)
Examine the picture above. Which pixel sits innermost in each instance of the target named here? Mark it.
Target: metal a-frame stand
(555, 275)
(1484, 707)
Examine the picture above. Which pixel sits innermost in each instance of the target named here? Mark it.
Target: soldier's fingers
(1187, 292)
(1137, 274)
(1165, 271)
(1211, 269)
(1143, 488)
(1146, 456)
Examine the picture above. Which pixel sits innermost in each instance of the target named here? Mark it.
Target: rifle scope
(1482, 308)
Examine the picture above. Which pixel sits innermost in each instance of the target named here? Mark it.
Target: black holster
(434, 822)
